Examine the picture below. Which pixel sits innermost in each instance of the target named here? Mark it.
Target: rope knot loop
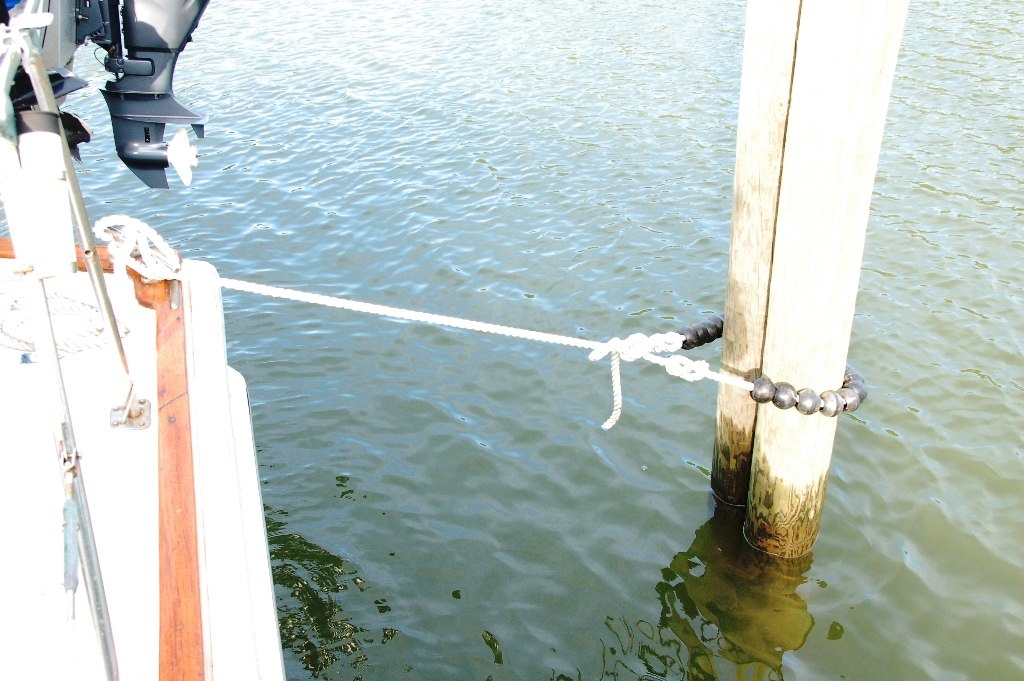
(683, 367)
(638, 345)
(634, 347)
(129, 246)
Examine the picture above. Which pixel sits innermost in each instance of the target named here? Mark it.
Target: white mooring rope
(635, 347)
(129, 246)
(130, 241)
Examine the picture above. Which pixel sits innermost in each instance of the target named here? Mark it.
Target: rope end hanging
(616, 390)
(633, 348)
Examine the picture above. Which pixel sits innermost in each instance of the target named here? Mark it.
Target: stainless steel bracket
(119, 418)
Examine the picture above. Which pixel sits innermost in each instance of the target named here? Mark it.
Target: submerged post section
(844, 58)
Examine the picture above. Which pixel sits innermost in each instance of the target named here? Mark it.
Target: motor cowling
(141, 100)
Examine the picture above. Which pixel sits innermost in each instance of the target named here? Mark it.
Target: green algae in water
(835, 631)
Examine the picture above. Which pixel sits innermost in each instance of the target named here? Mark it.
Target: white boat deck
(120, 473)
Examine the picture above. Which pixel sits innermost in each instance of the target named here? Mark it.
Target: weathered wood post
(768, 51)
(841, 72)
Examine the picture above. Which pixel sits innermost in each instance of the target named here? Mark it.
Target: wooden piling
(841, 76)
(768, 50)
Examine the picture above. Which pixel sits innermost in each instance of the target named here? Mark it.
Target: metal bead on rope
(702, 333)
(829, 403)
(783, 395)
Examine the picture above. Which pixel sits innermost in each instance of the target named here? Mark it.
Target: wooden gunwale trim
(181, 620)
(7, 251)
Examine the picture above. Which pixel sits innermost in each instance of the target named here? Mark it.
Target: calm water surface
(443, 505)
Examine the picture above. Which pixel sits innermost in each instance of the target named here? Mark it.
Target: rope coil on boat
(77, 326)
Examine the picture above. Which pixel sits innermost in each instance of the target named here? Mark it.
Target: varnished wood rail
(181, 619)
(7, 251)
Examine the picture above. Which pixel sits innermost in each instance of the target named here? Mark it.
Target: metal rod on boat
(33, 65)
(94, 580)
(46, 350)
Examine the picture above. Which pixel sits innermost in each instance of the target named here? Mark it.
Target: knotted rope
(129, 246)
(130, 239)
(633, 348)
(639, 346)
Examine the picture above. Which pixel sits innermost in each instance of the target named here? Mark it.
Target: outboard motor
(141, 100)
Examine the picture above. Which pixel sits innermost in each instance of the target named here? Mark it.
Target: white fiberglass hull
(240, 634)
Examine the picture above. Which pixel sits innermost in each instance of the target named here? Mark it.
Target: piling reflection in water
(723, 604)
(727, 611)
(312, 623)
